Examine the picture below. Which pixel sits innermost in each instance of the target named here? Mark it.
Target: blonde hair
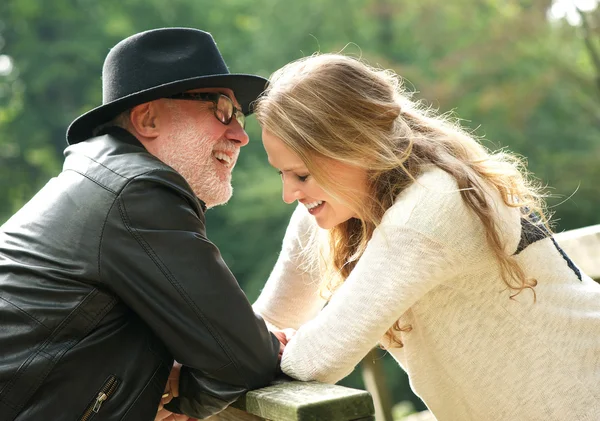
(331, 106)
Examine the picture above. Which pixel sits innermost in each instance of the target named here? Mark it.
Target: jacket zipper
(103, 395)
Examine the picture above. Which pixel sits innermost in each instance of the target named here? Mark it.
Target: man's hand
(284, 336)
(172, 386)
(171, 391)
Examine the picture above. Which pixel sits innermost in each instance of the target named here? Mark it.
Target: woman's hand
(284, 336)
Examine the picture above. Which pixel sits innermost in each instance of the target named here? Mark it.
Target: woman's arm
(423, 239)
(397, 269)
(291, 295)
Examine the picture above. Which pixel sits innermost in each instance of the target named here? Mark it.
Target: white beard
(190, 153)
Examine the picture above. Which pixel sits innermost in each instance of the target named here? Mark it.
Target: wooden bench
(290, 400)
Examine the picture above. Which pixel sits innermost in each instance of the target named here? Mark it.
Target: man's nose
(236, 133)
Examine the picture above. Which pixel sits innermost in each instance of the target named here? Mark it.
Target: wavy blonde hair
(330, 106)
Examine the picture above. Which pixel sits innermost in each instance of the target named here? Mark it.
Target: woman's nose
(290, 193)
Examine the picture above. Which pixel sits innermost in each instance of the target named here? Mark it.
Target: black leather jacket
(106, 275)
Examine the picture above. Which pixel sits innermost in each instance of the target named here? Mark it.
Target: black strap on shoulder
(532, 231)
(568, 260)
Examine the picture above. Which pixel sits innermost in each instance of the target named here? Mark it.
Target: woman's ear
(144, 118)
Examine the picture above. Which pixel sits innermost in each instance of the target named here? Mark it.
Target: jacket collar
(121, 134)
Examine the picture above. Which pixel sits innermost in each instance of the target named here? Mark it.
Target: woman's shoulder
(432, 183)
(430, 193)
(433, 205)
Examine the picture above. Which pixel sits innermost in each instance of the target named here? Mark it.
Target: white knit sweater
(473, 353)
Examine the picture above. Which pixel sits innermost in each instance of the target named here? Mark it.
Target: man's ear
(143, 118)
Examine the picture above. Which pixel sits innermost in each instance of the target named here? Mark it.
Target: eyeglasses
(224, 109)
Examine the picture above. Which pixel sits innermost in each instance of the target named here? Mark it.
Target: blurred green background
(523, 74)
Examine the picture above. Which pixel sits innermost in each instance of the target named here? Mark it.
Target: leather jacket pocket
(106, 391)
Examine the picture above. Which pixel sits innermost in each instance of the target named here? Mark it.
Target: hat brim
(247, 88)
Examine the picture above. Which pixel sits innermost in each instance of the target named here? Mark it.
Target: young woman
(420, 240)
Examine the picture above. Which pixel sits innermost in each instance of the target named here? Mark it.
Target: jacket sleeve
(155, 255)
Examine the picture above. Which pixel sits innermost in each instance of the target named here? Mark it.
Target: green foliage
(515, 78)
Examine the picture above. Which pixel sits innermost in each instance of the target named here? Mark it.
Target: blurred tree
(516, 78)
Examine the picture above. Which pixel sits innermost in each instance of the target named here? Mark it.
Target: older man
(107, 275)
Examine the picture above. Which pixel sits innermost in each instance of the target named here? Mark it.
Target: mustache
(227, 147)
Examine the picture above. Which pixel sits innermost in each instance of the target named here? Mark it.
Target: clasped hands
(172, 386)
(284, 336)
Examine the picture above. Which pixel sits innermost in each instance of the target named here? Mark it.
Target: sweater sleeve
(403, 261)
(291, 295)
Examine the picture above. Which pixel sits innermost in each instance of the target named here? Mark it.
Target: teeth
(223, 157)
(313, 204)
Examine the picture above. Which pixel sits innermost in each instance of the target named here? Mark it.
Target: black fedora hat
(159, 63)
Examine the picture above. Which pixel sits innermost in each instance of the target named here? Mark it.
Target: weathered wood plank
(307, 401)
(374, 379)
(234, 414)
